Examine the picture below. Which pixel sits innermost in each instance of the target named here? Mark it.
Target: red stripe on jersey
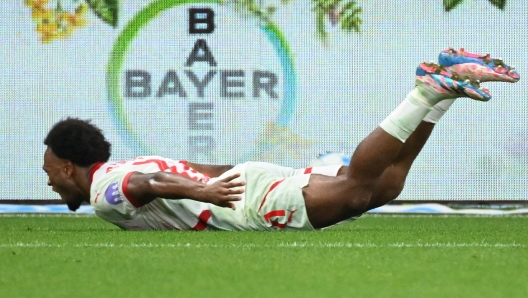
(97, 197)
(202, 220)
(126, 193)
(162, 165)
(186, 175)
(94, 169)
(308, 170)
(184, 164)
(269, 190)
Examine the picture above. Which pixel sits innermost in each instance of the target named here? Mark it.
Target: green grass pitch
(376, 256)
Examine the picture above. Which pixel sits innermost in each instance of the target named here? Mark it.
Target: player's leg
(393, 178)
(466, 65)
(391, 182)
(331, 200)
(419, 137)
(470, 66)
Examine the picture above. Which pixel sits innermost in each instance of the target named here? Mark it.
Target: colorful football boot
(436, 80)
(477, 67)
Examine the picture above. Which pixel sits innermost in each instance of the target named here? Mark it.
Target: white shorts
(274, 198)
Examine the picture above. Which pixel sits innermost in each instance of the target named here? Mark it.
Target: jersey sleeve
(110, 197)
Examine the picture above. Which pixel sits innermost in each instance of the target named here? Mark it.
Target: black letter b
(201, 20)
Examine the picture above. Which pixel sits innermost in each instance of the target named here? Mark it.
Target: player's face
(60, 179)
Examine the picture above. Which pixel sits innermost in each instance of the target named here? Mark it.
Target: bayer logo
(206, 95)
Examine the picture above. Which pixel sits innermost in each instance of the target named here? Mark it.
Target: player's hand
(224, 191)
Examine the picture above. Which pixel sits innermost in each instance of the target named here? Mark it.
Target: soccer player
(155, 193)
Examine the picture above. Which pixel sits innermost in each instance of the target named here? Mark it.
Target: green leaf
(499, 3)
(326, 4)
(320, 17)
(250, 8)
(106, 10)
(351, 22)
(450, 4)
(351, 17)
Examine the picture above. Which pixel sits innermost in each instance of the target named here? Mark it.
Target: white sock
(439, 110)
(402, 122)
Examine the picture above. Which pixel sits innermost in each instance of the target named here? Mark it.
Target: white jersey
(257, 210)
(110, 199)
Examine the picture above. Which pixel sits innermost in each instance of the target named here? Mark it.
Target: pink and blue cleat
(475, 67)
(444, 83)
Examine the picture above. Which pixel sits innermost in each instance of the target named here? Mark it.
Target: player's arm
(210, 170)
(144, 188)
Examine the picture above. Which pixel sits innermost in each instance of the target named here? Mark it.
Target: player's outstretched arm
(210, 170)
(144, 188)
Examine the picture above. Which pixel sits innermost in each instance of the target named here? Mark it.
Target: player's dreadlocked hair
(78, 141)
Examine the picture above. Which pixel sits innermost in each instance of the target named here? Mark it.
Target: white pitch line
(252, 245)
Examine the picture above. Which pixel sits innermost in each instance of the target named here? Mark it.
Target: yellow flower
(41, 13)
(81, 9)
(53, 24)
(48, 38)
(48, 29)
(37, 3)
(62, 17)
(65, 32)
(76, 20)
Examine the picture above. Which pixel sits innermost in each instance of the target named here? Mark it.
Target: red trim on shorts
(308, 170)
(278, 224)
(96, 167)
(126, 193)
(202, 220)
(290, 218)
(269, 190)
(273, 213)
(278, 213)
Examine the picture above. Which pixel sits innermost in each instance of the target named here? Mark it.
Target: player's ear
(68, 168)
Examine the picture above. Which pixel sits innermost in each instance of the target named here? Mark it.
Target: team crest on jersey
(112, 194)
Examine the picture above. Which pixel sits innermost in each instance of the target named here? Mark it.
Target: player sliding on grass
(155, 193)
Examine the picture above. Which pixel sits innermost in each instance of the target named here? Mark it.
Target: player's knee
(386, 193)
(359, 201)
(394, 189)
